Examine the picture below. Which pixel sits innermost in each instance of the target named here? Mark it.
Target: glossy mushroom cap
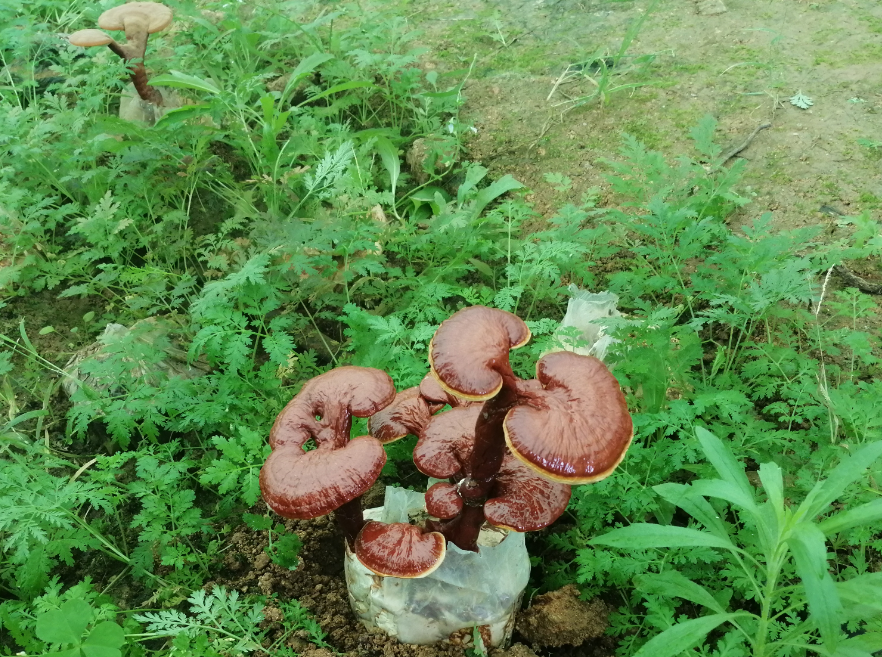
(469, 351)
(523, 501)
(298, 484)
(88, 38)
(436, 396)
(406, 415)
(577, 428)
(442, 501)
(399, 550)
(445, 445)
(332, 397)
(150, 16)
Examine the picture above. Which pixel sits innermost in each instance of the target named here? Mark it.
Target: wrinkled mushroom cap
(155, 15)
(436, 396)
(523, 501)
(442, 501)
(87, 38)
(298, 484)
(577, 428)
(406, 415)
(359, 391)
(399, 550)
(469, 351)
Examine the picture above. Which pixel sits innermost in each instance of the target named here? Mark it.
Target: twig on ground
(853, 280)
(728, 155)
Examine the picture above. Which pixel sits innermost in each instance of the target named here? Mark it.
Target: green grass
(265, 237)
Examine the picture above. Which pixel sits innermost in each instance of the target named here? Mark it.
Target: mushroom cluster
(138, 20)
(507, 449)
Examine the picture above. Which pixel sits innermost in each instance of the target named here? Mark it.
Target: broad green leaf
(65, 625)
(306, 66)
(184, 81)
(643, 535)
(389, 156)
(693, 504)
(492, 192)
(773, 484)
(105, 640)
(673, 584)
(722, 459)
(728, 491)
(682, 636)
(851, 467)
(861, 596)
(867, 644)
(337, 88)
(482, 267)
(809, 548)
(865, 514)
(175, 116)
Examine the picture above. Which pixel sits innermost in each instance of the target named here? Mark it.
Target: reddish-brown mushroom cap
(298, 484)
(469, 351)
(523, 501)
(577, 429)
(154, 16)
(436, 396)
(332, 396)
(399, 550)
(446, 443)
(88, 38)
(442, 501)
(406, 415)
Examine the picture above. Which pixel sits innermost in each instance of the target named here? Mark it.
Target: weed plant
(272, 228)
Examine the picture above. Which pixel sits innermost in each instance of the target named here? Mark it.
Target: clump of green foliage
(273, 228)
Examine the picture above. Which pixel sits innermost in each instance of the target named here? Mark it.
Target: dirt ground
(741, 65)
(548, 627)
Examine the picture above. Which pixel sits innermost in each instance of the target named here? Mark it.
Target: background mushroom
(138, 20)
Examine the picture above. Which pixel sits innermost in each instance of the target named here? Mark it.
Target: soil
(741, 66)
(318, 584)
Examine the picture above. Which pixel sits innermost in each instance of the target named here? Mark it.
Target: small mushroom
(446, 443)
(523, 501)
(399, 550)
(443, 501)
(576, 428)
(406, 415)
(307, 484)
(138, 19)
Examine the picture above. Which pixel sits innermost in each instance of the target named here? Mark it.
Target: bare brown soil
(741, 66)
(319, 586)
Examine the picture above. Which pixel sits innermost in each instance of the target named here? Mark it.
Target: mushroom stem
(486, 460)
(463, 530)
(135, 49)
(350, 519)
(139, 79)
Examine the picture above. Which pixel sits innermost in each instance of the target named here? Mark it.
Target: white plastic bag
(469, 589)
(583, 311)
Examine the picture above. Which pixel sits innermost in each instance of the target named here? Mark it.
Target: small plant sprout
(508, 448)
(801, 101)
(138, 20)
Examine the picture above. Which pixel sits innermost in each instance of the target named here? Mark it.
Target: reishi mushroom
(509, 448)
(139, 20)
(333, 476)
